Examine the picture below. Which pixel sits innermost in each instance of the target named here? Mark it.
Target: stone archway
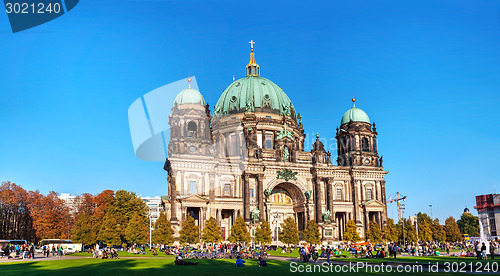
(287, 199)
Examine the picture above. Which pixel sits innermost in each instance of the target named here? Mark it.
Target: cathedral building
(247, 159)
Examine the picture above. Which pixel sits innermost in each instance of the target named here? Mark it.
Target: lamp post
(403, 218)
(276, 216)
(416, 222)
(430, 205)
(150, 230)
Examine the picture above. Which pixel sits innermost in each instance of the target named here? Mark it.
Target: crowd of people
(24, 251)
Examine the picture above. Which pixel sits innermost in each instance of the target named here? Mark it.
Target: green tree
(425, 230)
(110, 230)
(212, 232)
(239, 231)
(468, 224)
(311, 234)
(263, 233)
(289, 232)
(83, 232)
(390, 233)
(129, 204)
(163, 232)
(410, 232)
(438, 231)
(452, 230)
(351, 232)
(137, 230)
(190, 232)
(374, 234)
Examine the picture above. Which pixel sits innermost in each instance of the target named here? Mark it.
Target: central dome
(255, 94)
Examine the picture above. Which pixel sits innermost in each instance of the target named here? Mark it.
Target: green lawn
(149, 266)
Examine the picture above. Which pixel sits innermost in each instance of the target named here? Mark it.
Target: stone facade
(235, 163)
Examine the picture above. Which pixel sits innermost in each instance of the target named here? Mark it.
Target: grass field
(152, 266)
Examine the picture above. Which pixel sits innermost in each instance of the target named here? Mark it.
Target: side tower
(189, 124)
(357, 140)
(357, 150)
(189, 157)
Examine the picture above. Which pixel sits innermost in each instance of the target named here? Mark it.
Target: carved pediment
(194, 198)
(373, 203)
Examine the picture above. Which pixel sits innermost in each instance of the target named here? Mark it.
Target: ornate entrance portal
(286, 200)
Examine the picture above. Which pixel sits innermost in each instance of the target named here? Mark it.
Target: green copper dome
(255, 94)
(355, 115)
(189, 96)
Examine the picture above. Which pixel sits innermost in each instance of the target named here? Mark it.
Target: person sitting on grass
(262, 262)
(180, 261)
(239, 262)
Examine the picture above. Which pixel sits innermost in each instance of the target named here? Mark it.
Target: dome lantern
(253, 69)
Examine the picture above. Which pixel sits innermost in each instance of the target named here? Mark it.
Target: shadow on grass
(140, 266)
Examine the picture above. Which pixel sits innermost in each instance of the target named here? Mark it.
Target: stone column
(382, 186)
(317, 199)
(246, 198)
(173, 201)
(260, 194)
(367, 219)
(328, 186)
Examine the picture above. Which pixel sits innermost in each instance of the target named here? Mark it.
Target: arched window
(369, 194)
(366, 146)
(192, 187)
(191, 133)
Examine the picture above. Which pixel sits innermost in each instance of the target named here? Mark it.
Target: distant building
(69, 201)
(488, 209)
(155, 206)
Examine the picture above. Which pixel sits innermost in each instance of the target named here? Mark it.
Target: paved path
(39, 257)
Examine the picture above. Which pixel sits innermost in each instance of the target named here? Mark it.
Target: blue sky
(427, 72)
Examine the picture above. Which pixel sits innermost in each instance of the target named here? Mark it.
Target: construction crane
(396, 198)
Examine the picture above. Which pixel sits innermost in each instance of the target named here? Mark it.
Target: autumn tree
(311, 234)
(212, 232)
(263, 233)
(390, 233)
(438, 231)
(374, 234)
(190, 232)
(16, 220)
(468, 224)
(163, 232)
(51, 217)
(289, 232)
(104, 205)
(137, 230)
(239, 232)
(351, 232)
(452, 230)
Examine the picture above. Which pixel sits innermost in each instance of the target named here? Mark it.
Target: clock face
(367, 161)
(192, 149)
